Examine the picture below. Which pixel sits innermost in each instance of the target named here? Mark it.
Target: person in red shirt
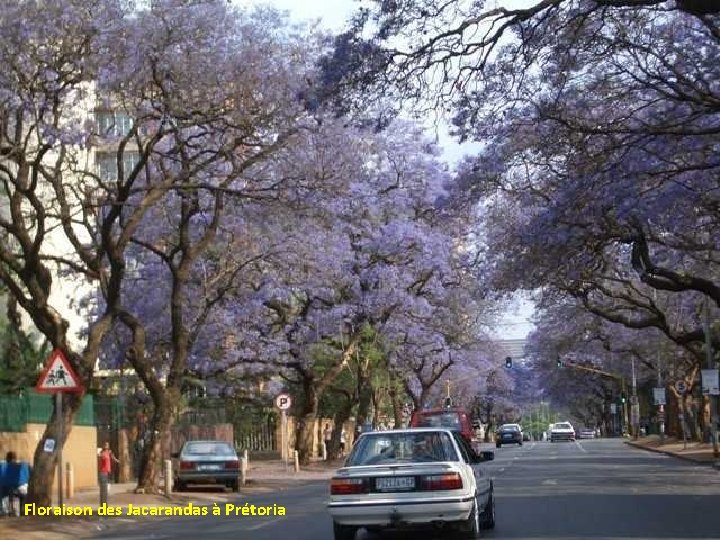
(105, 458)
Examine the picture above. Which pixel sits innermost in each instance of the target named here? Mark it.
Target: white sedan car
(562, 431)
(425, 477)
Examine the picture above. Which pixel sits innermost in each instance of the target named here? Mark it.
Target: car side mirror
(487, 456)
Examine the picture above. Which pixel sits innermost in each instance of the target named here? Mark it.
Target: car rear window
(387, 448)
(208, 449)
(563, 426)
(510, 427)
(448, 420)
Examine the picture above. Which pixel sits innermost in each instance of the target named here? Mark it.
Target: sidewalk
(701, 453)
(262, 477)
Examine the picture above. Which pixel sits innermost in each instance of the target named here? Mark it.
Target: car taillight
(346, 486)
(185, 465)
(232, 464)
(437, 482)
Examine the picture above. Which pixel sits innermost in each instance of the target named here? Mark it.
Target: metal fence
(29, 407)
(258, 435)
(111, 413)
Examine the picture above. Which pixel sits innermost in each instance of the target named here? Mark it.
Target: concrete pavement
(263, 477)
(701, 453)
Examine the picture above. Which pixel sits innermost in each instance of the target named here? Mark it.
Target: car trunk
(403, 481)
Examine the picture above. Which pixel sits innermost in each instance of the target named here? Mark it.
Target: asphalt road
(598, 489)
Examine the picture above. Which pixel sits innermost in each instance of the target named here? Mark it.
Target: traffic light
(508, 362)
(559, 363)
(448, 402)
(622, 399)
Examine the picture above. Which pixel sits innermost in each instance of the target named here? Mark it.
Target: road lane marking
(580, 446)
(263, 524)
(549, 482)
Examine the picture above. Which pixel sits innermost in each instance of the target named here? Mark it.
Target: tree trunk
(152, 455)
(705, 417)
(365, 393)
(377, 406)
(693, 421)
(397, 406)
(422, 398)
(45, 463)
(306, 422)
(417, 404)
(488, 429)
(341, 416)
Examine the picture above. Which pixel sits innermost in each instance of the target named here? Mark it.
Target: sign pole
(283, 402)
(61, 434)
(661, 407)
(58, 376)
(284, 438)
(710, 365)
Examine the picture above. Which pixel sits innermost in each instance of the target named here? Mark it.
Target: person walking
(106, 459)
(327, 437)
(343, 442)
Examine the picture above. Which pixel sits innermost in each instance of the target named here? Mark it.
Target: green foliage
(21, 359)
(367, 372)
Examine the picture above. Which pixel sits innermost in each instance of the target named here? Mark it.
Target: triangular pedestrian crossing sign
(58, 375)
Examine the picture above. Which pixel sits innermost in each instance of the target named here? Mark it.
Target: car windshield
(385, 448)
(448, 420)
(208, 449)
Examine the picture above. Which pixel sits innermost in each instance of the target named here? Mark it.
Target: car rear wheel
(487, 520)
(235, 486)
(344, 532)
(498, 445)
(179, 486)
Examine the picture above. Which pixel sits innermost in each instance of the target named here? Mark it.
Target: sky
(333, 14)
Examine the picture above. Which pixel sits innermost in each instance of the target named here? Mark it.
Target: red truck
(451, 418)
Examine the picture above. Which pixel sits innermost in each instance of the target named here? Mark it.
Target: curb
(714, 465)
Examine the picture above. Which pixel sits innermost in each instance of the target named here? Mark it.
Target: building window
(107, 164)
(113, 123)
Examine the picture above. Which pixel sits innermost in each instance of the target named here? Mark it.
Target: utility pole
(634, 404)
(710, 365)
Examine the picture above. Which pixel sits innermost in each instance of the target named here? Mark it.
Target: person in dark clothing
(17, 478)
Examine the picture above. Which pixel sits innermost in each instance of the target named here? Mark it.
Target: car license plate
(395, 483)
(209, 468)
(507, 436)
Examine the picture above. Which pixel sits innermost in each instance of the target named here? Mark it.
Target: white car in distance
(562, 431)
(405, 479)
